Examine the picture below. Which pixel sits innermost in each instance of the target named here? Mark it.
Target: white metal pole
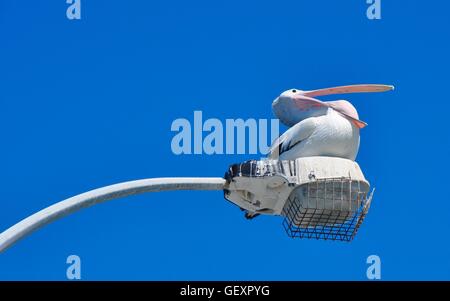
(90, 198)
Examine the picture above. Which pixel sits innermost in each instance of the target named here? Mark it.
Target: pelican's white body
(329, 135)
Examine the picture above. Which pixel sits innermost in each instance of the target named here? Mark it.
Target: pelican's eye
(294, 91)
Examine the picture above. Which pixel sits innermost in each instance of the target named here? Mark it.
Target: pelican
(319, 128)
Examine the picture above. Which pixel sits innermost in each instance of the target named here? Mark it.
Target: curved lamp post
(93, 197)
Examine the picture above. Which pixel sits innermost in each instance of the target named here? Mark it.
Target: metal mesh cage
(329, 209)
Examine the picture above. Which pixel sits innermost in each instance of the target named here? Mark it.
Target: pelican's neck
(338, 118)
(336, 115)
(332, 112)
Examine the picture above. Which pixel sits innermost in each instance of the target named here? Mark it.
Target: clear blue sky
(89, 103)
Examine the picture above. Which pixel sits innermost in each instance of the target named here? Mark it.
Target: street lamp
(320, 197)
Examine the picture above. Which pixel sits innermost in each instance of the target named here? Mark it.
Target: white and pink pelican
(319, 128)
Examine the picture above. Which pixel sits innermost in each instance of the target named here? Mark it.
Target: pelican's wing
(275, 149)
(349, 89)
(293, 136)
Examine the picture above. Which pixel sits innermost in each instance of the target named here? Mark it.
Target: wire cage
(328, 209)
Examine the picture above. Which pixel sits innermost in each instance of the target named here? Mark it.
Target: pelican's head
(290, 107)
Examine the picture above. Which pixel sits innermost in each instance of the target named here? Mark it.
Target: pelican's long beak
(349, 89)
